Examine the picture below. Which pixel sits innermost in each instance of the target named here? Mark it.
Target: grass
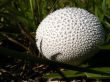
(20, 19)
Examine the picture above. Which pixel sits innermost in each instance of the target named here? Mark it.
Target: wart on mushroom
(69, 35)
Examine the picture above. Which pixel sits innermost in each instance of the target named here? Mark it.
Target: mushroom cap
(69, 35)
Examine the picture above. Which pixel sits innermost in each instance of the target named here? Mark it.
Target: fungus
(69, 35)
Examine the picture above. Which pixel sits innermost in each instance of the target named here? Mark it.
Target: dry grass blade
(15, 41)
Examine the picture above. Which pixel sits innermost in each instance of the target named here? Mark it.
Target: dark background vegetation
(19, 56)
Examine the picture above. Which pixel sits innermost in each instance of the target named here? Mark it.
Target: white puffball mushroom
(69, 35)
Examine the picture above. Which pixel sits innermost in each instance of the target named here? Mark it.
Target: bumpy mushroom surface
(69, 35)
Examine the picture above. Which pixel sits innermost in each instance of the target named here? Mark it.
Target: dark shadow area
(101, 59)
